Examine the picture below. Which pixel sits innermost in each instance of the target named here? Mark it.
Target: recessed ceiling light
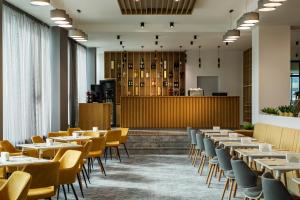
(40, 2)
(142, 25)
(58, 15)
(171, 24)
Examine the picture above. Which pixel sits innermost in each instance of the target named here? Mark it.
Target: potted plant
(247, 129)
(270, 111)
(287, 111)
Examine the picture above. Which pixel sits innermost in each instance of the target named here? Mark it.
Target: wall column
(91, 67)
(271, 68)
(1, 73)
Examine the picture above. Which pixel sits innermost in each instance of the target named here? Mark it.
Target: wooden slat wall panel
(180, 112)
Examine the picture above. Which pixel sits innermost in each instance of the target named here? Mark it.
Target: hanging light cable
(219, 59)
(233, 34)
(200, 57)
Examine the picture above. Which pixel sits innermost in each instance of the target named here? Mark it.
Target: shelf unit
(157, 73)
(247, 85)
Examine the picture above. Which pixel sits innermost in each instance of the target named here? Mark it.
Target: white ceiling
(102, 20)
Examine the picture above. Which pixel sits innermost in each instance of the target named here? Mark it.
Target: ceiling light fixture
(118, 37)
(248, 20)
(269, 5)
(171, 24)
(68, 25)
(156, 37)
(58, 15)
(156, 42)
(76, 33)
(121, 43)
(192, 42)
(40, 2)
(200, 57)
(61, 22)
(195, 37)
(233, 34)
(142, 25)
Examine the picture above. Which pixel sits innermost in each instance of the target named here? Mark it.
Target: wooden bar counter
(180, 112)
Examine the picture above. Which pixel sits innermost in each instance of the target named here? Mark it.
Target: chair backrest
(7, 146)
(244, 176)
(209, 147)
(37, 139)
(70, 159)
(113, 135)
(58, 134)
(98, 144)
(16, 187)
(124, 135)
(274, 189)
(193, 136)
(188, 131)
(43, 174)
(224, 159)
(71, 130)
(86, 148)
(61, 152)
(199, 140)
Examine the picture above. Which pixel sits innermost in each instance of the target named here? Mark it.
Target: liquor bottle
(142, 74)
(165, 74)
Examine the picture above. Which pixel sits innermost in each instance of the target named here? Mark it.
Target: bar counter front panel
(180, 112)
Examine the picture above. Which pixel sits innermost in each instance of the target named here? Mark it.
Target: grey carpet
(151, 177)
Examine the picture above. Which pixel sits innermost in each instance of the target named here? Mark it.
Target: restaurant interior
(150, 99)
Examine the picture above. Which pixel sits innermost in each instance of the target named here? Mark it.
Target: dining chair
(58, 134)
(47, 153)
(199, 148)
(71, 130)
(96, 153)
(246, 179)
(274, 189)
(68, 169)
(226, 168)
(44, 180)
(189, 146)
(6, 146)
(16, 187)
(213, 162)
(86, 148)
(91, 134)
(193, 143)
(124, 139)
(113, 141)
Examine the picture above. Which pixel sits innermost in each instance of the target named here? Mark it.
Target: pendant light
(63, 22)
(58, 15)
(248, 20)
(200, 57)
(40, 2)
(78, 34)
(219, 59)
(269, 5)
(68, 25)
(233, 34)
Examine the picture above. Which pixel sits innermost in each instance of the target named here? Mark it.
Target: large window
(26, 76)
(81, 73)
(295, 79)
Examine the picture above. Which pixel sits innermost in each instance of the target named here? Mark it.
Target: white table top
(45, 146)
(214, 131)
(255, 153)
(21, 161)
(228, 139)
(71, 138)
(214, 134)
(240, 145)
(278, 164)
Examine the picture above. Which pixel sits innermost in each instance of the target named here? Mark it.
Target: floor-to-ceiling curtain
(26, 77)
(81, 74)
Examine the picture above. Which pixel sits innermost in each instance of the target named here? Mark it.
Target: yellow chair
(96, 152)
(124, 138)
(44, 180)
(38, 140)
(58, 134)
(16, 187)
(6, 146)
(113, 141)
(71, 130)
(68, 169)
(91, 134)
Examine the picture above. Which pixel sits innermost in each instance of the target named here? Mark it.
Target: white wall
(230, 73)
(99, 66)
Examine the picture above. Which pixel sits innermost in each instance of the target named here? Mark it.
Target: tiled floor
(151, 177)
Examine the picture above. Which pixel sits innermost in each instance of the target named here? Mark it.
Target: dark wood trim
(23, 12)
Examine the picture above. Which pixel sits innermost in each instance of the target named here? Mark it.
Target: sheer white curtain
(81, 73)
(26, 77)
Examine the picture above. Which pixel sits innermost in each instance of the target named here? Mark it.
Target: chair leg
(211, 175)
(101, 166)
(126, 149)
(64, 190)
(118, 153)
(83, 175)
(87, 175)
(189, 150)
(225, 187)
(194, 156)
(110, 153)
(203, 163)
(235, 188)
(58, 190)
(74, 192)
(220, 175)
(80, 184)
(200, 162)
(209, 172)
(105, 154)
(231, 188)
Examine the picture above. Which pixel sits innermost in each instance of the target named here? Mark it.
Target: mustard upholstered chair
(96, 152)
(113, 141)
(5, 145)
(85, 152)
(58, 134)
(44, 180)
(124, 138)
(16, 187)
(68, 169)
(38, 140)
(91, 134)
(71, 130)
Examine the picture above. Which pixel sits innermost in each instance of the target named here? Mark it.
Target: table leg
(40, 153)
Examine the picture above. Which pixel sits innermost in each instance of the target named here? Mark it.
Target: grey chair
(210, 153)
(226, 168)
(274, 189)
(246, 179)
(189, 140)
(193, 142)
(199, 147)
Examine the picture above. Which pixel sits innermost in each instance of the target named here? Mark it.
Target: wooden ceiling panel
(156, 7)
